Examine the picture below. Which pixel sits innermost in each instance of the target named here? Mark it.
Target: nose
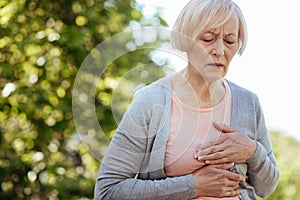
(218, 48)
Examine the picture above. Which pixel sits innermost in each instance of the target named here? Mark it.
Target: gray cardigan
(133, 166)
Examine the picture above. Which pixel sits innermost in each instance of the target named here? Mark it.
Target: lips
(216, 65)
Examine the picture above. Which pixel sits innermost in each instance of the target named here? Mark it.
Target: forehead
(229, 26)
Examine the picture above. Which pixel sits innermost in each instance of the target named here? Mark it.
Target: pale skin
(208, 62)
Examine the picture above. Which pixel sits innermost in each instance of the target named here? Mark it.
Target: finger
(223, 128)
(218, 161)
(218, 147)
(212, 145)
(233, 184)
(234, 176)
(206, 145)
(233, 193)
(225, 166)
(204, 152)
(213, 155)
(225, 172)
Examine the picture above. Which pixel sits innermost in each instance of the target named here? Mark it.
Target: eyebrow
(211, 32)
(227, 34)
(230, 34)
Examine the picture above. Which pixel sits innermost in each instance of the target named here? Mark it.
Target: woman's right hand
(217, 181)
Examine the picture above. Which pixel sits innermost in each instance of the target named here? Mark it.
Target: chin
(213, 76)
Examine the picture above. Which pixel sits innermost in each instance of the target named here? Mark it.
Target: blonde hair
(199, 15)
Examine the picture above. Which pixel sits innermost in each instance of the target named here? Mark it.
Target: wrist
(253, 148)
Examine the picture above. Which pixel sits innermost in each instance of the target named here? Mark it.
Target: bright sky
(270, 66)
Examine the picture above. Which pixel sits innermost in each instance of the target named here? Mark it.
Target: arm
(262, 169)
(124, 159)
(119, 167)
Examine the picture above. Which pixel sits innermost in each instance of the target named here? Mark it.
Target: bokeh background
(42, 46)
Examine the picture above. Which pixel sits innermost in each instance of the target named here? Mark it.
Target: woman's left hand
(232, 146)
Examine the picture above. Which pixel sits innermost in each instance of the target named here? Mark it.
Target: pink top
(190, 127)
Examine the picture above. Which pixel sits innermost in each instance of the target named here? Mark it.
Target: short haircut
(199, 15)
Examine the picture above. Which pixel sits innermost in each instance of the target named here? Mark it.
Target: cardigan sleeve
(124, 158)
(262, 168)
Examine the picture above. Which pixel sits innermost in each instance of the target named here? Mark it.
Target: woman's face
(214, 50)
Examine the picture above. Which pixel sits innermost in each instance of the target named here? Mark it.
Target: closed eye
(208, 40)
(229, 41)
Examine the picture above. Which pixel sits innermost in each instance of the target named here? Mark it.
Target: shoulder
(242, 93)
(156, 92)
(152, 98)
(244, 100)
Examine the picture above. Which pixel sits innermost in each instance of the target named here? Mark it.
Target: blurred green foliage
(286, 150)
(42, 45)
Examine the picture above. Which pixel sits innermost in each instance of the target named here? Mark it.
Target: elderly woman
(194, 135)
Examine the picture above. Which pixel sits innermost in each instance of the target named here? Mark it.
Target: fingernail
(195, 156)
(200, 158)
(243, 179)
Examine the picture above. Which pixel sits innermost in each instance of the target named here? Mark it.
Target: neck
(205, 93)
